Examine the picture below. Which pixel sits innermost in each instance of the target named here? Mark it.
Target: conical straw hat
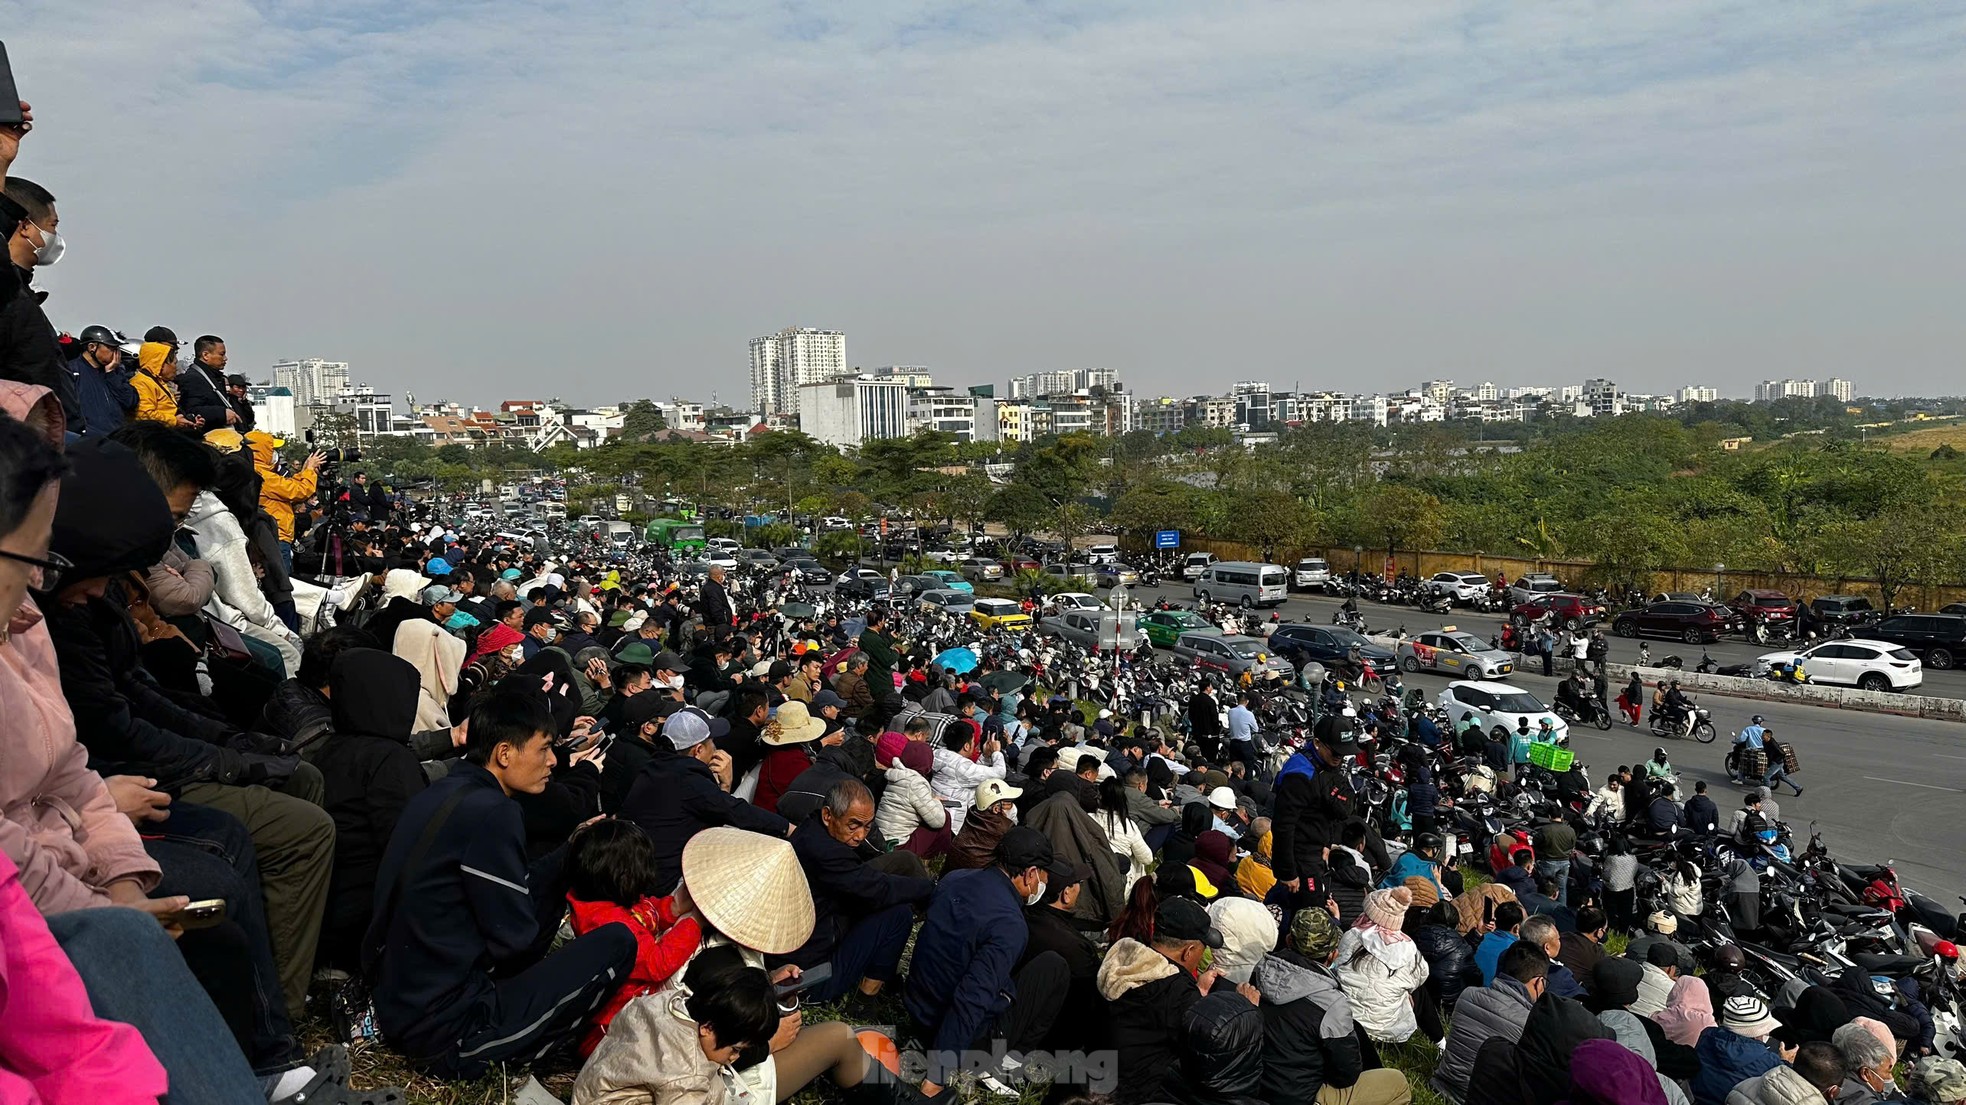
(750, 887)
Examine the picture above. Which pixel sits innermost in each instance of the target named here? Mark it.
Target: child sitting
(612, 872)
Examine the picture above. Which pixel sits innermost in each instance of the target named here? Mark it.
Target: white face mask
(675, 682)
(52, 247)
(516, 654)
(1036, 895)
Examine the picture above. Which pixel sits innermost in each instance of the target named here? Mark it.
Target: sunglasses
(51, 568)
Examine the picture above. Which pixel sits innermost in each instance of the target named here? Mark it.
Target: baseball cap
(689, 727)
(779, 669)
(639, 710)
(538, 615)
(1181, 919)
(437, 592)
(667, 661)
(991, 791)
(635, 652)
(161, 334)
(1024, 847)
(824, 699)
(237, 381)
(437, 566)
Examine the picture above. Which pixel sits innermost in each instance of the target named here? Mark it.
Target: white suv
(1461, 586)
(1868, 665)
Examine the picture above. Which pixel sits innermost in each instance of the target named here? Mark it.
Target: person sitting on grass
(611, 875)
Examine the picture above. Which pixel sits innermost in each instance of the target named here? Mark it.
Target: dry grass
(1923, 441)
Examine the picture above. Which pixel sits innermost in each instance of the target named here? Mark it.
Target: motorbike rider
(1745, 741)
(1574, 694)
(1660, 769)
(1676, 707)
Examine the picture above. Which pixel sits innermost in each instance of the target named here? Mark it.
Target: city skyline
(1321, 193)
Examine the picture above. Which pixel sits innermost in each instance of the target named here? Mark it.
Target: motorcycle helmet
(1427, 843)
(100, 335)
(1754, 720)
(1768, 836)
(1659, 754)
(1730, 958)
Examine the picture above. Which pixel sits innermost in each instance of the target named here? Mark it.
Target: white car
(1498, 706)
(943, 556)
(1869, 665)
(1196, 564)
(1461, 586)
(722, 558)
(1311, 572)
(1071, 600)
(1102, 554)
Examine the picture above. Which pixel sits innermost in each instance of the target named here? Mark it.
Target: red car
(1766, 606)
(1015, 564)
(1561, 609)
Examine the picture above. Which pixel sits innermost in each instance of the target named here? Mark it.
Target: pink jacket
(58, 823)
(54, 1050)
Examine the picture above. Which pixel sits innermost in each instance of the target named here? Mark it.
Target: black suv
(1832, 611)
(1328, 645)
(1938, 639)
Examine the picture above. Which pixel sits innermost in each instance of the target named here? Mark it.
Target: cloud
(602, 200)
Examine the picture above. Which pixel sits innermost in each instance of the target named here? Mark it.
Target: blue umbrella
(958, 660)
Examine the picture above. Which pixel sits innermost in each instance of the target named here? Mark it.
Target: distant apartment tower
(844, 412)
(1837, 387)
(1602, 397)
(1696, 393)
(1071, 381)
(1440, 391)
(783, 363)
(312, 380)
(1770, 390)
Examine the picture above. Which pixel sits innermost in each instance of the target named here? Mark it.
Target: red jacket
(775, 774)
(662, 945)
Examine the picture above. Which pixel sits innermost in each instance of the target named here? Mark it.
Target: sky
(598, 200)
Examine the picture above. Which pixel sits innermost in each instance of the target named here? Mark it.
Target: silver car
(1081, 627)
(1456, 653)
(1234, 653)
(953, 602)
(977, 569)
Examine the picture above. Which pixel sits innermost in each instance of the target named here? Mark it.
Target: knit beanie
(1422, 889)
(1747, 1015)
(1387, 908)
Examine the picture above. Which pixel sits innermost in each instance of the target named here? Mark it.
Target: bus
(675, 535)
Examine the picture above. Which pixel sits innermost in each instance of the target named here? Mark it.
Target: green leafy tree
(1903, 547)
(641, 422)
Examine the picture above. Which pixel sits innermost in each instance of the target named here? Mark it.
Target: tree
(1019, 507)
(641, 422)
(335, 430)
(1393, 516)
(1273, 520)
(1159, 505)
(1903, 547)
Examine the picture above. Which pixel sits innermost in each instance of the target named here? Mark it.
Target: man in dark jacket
(370, 775)
(1700, 814)
(878, 646)
(1554, 840)
(1149, 990)
(201, 389)
(1312, 803)
(28, 349)
(680, 795)
(1205, 720)
(1309, 1039)
(455, 898)
(1053, 929)
(861, 916)
(1553, 1030)
(964, 987)
(102, 383)
(713, 603)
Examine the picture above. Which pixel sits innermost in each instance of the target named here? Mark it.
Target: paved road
(1386, 619)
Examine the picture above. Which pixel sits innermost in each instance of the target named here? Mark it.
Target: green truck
(676, 535)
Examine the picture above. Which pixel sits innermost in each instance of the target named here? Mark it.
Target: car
(1953, 608)
(1017, 562)
(999, 614)
(1310, 573)
(946, 600)
(726, 543)
(1163, 626)
(1558, 608)
(1102, 554)
(1081, 627)
(1329, 645)
(1195, 564)
(807, 570)
(976, 569)
(1453, 650)
(1532, 585)
(757, 558)
(944, 556)
(1499, 706)
(861, 583)
(1073, 573)
(1763, 606)
(1841, 611)
(1233, 653)
(916, 584)
(1858, 662)
(1116, 574)
(1459, 586)
(1938, 640)
(722, 558)
(1692, 622)
(952, 581)
(1679, 596)
(1072, 600)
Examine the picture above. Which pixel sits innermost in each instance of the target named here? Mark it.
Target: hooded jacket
(370, 776)
(1604, 1072)
(1553, 1030)
(1150, 996)
(1853, 986)
(1309, 1042)
(236, 598)
(156, 399)
(1077, 838)
(278, 493)
(651, 1057)
(1379, 972)
(1450, 961)
(438, 657)
(1311, 804)
(29, 352)
(1728, 1059)
(906, 805)
(1781, 1085)
(1481, 1014)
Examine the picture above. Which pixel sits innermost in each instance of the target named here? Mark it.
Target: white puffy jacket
(236, 598)
(906, 805)
(1380, 975)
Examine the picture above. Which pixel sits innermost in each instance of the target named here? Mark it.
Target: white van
(1312, 572)
(1196, 564)
(1244, 583)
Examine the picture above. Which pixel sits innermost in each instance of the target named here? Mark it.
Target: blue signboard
(1167, 539)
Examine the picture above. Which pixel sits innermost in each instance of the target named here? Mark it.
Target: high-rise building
(1699, 393)
(849, 410)
(1839, 388)
(783, 363)
(312, 381)
(1602, 396)
(966, 416)
(1768, 390)
(1440, 391)
(1071, 381)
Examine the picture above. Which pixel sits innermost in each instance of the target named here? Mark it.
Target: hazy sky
(516, 198)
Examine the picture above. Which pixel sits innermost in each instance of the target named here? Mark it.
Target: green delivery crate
(1551, 755)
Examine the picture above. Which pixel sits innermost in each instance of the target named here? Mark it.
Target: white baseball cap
(991, 791)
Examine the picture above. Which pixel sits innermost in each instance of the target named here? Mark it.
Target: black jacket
(1204, 716)
(299, 716)
(199, 395)
(1702, 816)
(676, 798)
(1554, 1029)
(713, 602)
(1450, 961)
(1221, 1053)
(1145, 1021)
(370, 776)
(844, 890)
(471, 903)
(1309, 1040)
(1310, 810)
(1081, 1022)
(29, 352)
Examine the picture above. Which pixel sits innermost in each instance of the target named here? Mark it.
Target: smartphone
(197, 915)
(806, 980)
(10, 115)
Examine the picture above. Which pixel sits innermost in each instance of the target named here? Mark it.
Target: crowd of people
(291, 750)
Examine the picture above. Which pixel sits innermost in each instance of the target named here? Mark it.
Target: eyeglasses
(51, 568)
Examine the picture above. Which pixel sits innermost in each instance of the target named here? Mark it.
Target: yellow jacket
(278, 493)
(156, 402)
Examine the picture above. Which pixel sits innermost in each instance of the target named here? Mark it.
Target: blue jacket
(106, 398)
(1489, 955)
(1409, 864)
(1297, 764)
(1726, 1060)
(960, 981)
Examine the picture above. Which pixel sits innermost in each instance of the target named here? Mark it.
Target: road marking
(1903, 783)
(1943, 756)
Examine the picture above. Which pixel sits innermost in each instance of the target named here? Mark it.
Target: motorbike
(1696, 722)
(1595, 712)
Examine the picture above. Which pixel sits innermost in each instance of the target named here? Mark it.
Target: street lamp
(1719, 588)
(1358, 555)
